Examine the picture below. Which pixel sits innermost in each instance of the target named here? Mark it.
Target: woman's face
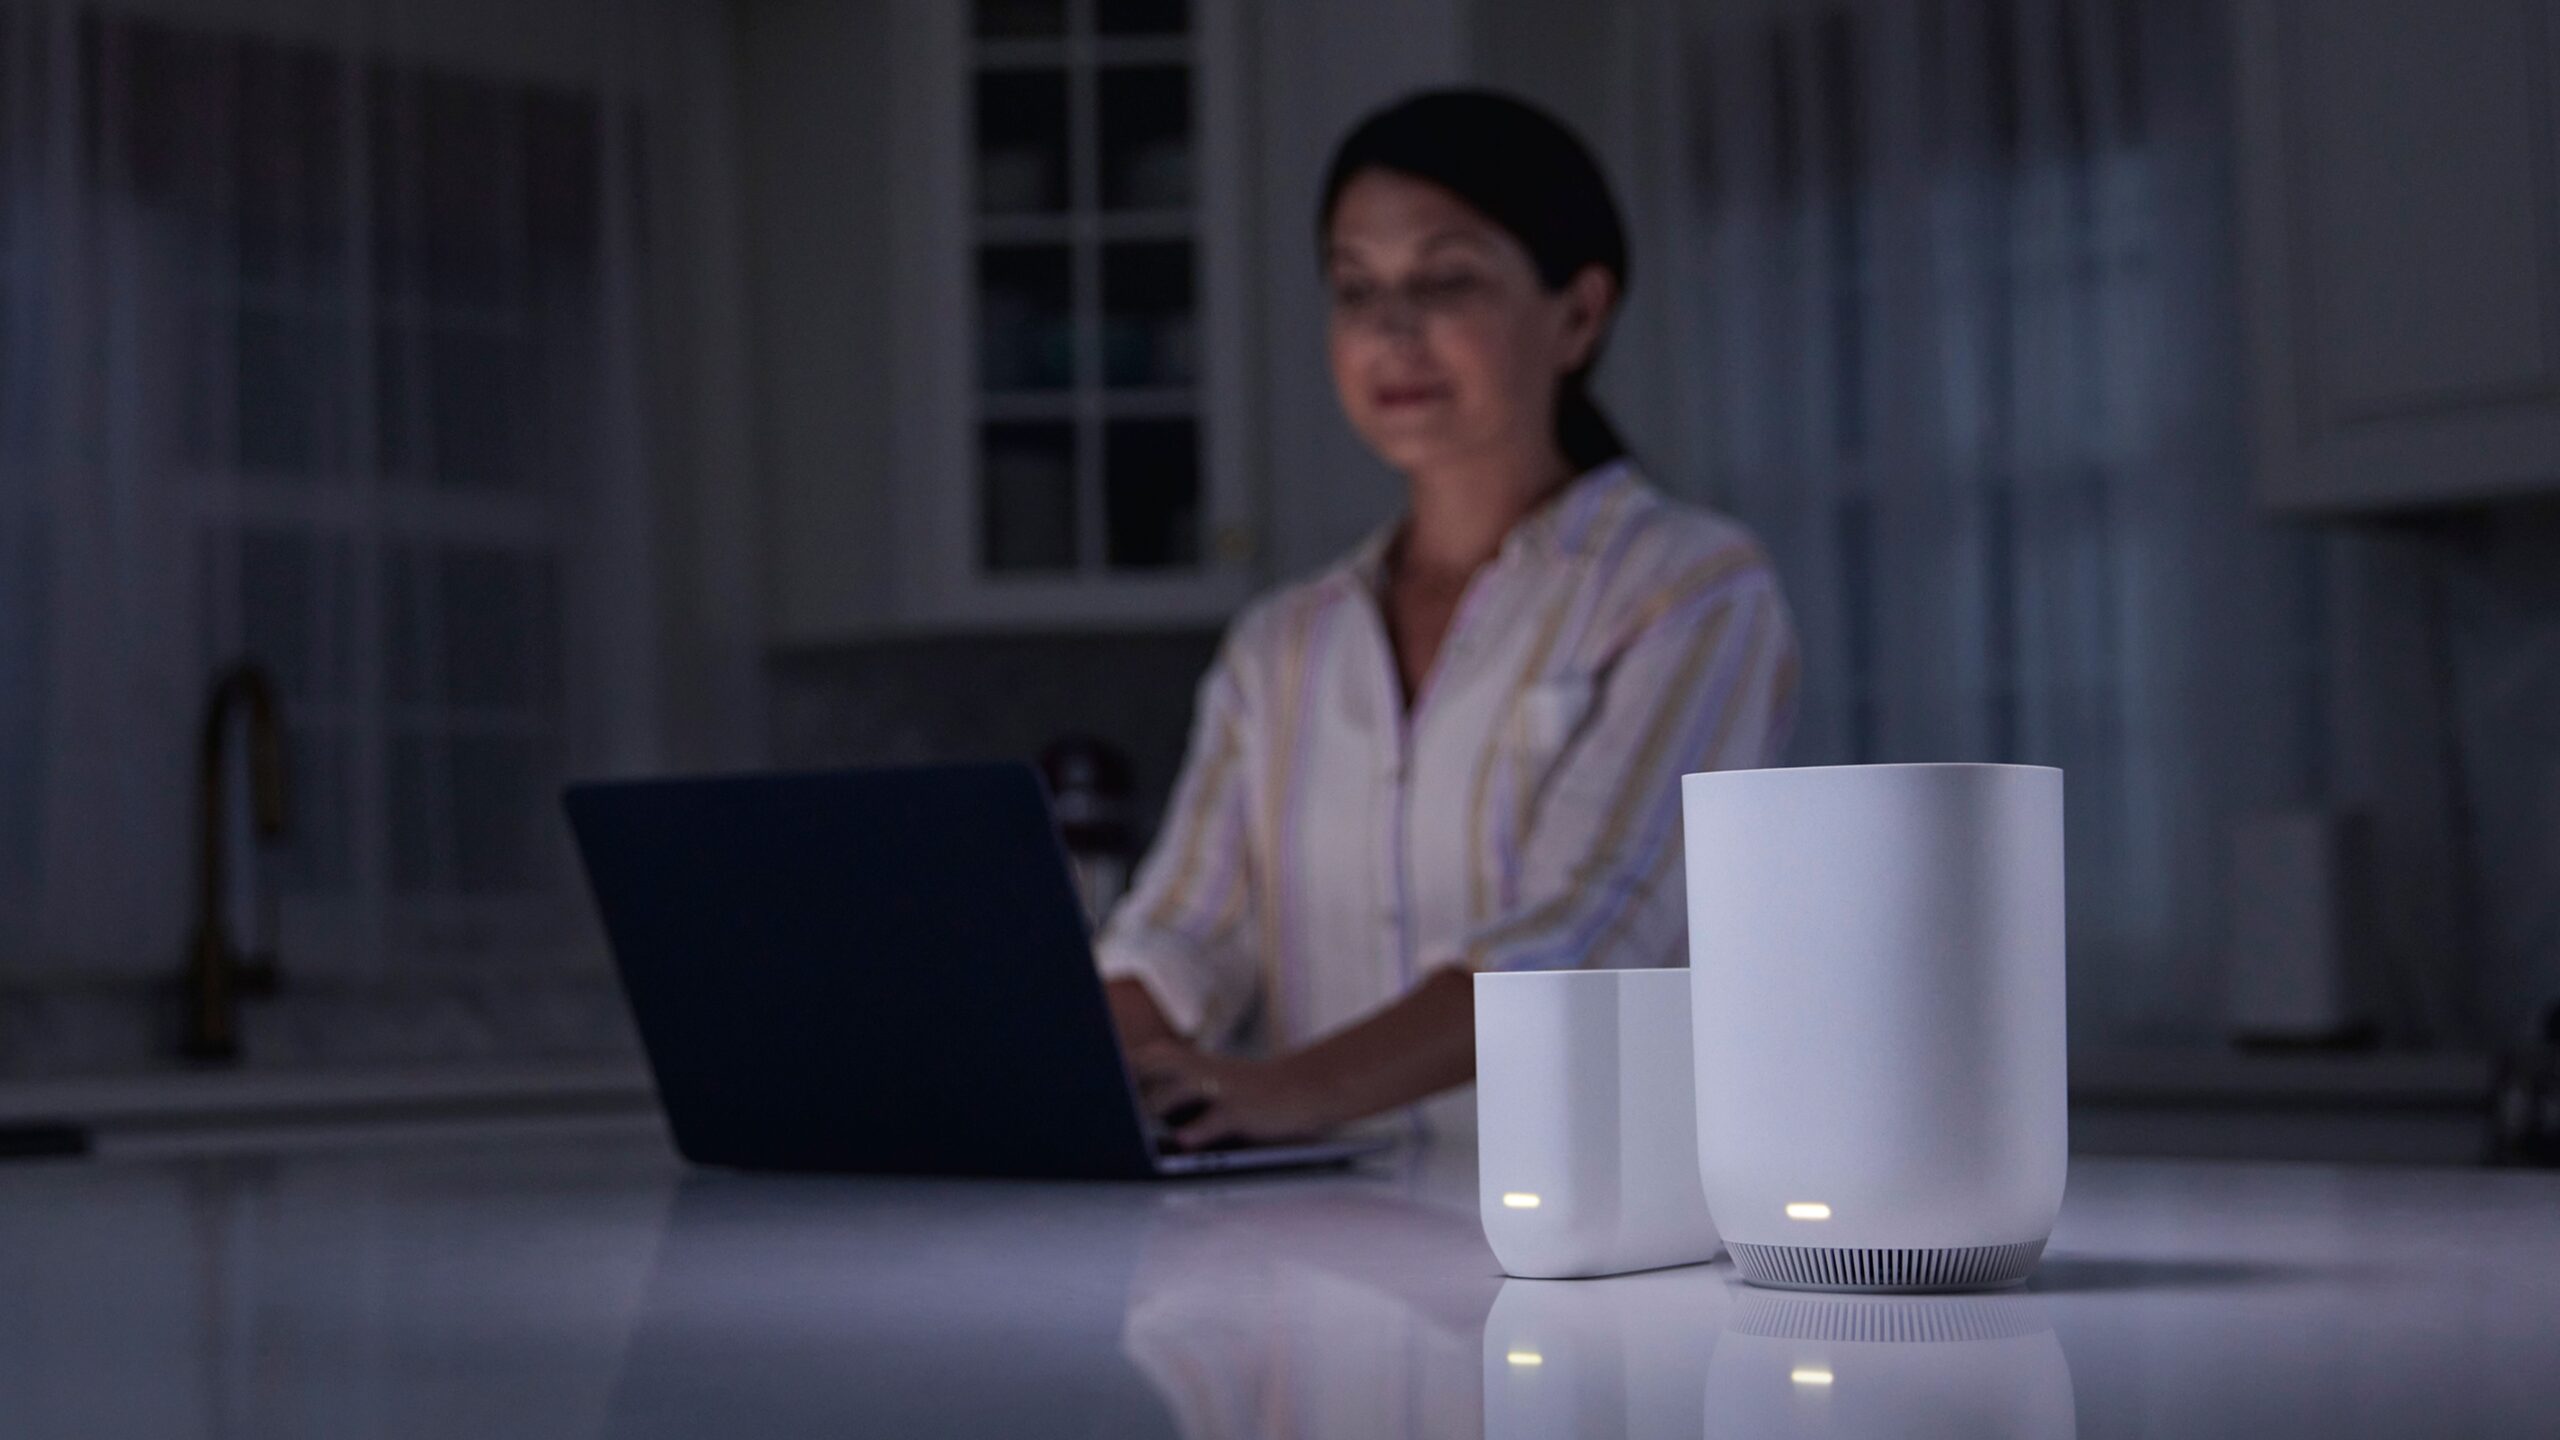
(1445, 346)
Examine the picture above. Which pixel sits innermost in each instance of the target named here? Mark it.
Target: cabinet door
(1070, 427)
(2401, 249)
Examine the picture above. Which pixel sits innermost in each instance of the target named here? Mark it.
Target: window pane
(503, 827)
(463, 404)
(469, 813)
(1026, 325)
(400, 422)
(1146, 137)
(564, 185)
(295, 619)
(292, 370)
(292, 125)
(1141, 17)
(1022, 142)
(1151, 493)
(467, 168)
(486, 403)
(472, 628)
(1028, 499)
(316, 853)
(25, 586)
(1021, 19)
(415, 809)
(173, 91)
(1150, 333)
(26, 369)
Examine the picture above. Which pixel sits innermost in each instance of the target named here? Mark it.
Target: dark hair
(1525, 171)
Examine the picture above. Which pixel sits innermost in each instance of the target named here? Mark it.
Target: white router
(1876, 955)
(1586, 1130)
(1624, 1357)
(1846, 1367)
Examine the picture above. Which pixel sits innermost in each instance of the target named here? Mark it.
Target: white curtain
(321, 343)
(1966, 280)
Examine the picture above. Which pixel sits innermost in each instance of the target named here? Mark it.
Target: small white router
(1586, 1125)
(1622, 1357)
(1876, 954)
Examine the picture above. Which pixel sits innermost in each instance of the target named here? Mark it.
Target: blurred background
(407, 405)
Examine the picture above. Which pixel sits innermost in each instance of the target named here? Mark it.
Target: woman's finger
(1212, 1127)
(1180, 1101)
(1173, 1085)
(1158, 1066)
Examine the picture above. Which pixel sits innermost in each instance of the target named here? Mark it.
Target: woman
(1460, 748)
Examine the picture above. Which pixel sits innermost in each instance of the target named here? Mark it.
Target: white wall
(1604, 68)
(814, 164)
(711, 498)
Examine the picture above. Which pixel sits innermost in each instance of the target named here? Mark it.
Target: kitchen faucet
(217, 973)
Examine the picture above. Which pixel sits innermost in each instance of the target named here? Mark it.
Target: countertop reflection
(600, 1290)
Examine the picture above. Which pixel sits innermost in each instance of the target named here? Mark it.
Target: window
(1958, 286)
(360, 330)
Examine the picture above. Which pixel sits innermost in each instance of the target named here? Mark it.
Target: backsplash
(123, 1027)
(988, 697)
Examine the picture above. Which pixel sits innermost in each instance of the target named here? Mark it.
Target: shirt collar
(1564, 525)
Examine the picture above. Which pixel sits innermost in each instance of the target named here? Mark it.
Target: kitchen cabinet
(1035, 305)
(996, 253)
(2400, 228)
(1072, 332)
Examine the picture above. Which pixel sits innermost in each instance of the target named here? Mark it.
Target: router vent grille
(1812, 1267)
(1931, 1321)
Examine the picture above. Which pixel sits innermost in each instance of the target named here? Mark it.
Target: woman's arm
(1415, 1048)
(1135, 1016)
(1177, 951)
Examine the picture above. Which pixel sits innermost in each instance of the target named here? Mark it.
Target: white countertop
(595, 1288)
(180, 1112)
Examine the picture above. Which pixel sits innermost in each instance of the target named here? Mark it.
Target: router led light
(1520, 1200)
(1804, 1210)
(1807, 1375)
(1526, 1358)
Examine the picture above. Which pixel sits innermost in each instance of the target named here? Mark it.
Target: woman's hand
(1224, 1100)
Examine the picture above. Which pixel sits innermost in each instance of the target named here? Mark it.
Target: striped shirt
(1326, 846)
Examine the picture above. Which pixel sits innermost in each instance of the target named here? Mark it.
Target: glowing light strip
(1808, 1210)
(1809, 1376)
(1525, 1358)
(1520, 1200)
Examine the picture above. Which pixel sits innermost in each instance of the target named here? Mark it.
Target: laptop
(873, 971)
